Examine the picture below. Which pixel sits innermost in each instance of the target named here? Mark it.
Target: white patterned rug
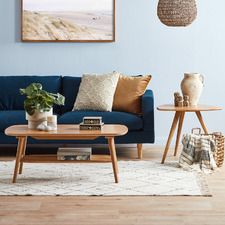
(136, 178)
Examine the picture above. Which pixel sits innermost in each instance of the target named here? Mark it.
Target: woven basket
(177, 12)
(219, 139)
(219, 151)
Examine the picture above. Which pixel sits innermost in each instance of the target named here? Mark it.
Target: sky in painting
(68, 5)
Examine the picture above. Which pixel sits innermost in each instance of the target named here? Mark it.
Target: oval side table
(179, 118)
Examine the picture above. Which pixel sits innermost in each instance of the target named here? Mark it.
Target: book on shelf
(74, 153)
(74, 157)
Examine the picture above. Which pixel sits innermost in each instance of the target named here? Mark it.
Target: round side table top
(171, 107)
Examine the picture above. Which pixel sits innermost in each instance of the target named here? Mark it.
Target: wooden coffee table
(179, 117)
(64, 132)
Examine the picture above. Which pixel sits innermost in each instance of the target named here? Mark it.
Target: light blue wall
(143, 45)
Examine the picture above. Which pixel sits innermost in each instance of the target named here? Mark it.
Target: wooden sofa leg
(139, 148)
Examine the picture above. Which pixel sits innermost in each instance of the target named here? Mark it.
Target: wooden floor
(119, 210)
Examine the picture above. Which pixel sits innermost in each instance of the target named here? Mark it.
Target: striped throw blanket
(198, 149)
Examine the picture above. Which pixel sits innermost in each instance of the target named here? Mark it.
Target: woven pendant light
(177, 12)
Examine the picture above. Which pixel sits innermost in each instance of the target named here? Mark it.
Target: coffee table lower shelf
(53, 159)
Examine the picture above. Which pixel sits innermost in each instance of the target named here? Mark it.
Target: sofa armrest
(148, 111)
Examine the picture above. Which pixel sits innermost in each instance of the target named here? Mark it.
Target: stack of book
(74, 154)
(91, 123)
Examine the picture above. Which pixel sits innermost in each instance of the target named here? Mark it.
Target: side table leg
(23, 154)
(172, 130)
(180, 125)
(20, 145)
(199, 115)
(112, 150)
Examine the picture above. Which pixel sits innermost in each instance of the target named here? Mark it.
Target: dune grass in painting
(67, 25)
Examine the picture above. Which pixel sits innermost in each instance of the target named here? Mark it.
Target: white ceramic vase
(38, 118)
(192, 85)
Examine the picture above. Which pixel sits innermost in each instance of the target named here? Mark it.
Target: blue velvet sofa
(141, 128)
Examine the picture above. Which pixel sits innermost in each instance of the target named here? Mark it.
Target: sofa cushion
(128, 93)
(11, 117)
(70, 88)
(133, 122)
(10, 98)
(96, 92)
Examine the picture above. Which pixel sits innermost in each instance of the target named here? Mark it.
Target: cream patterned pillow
(96, 92)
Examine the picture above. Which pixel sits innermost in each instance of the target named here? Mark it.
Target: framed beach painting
(68, 20)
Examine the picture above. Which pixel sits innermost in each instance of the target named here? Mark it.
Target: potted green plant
(38, 104)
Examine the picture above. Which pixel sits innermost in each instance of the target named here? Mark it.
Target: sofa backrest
(10, 98)
(70, 88)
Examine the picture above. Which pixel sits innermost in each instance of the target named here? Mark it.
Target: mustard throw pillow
(129, 90)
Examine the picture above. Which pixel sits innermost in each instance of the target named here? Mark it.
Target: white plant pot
(38, 118)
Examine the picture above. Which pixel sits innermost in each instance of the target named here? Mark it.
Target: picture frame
(41, 22)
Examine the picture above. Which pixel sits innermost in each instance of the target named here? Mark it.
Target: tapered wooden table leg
(180, 125)
(199, 115)
(139, 148)
(23, 154)
(172, 130)
(20, 145)
(112, 150)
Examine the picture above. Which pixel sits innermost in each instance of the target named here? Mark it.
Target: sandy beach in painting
(64, 25)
